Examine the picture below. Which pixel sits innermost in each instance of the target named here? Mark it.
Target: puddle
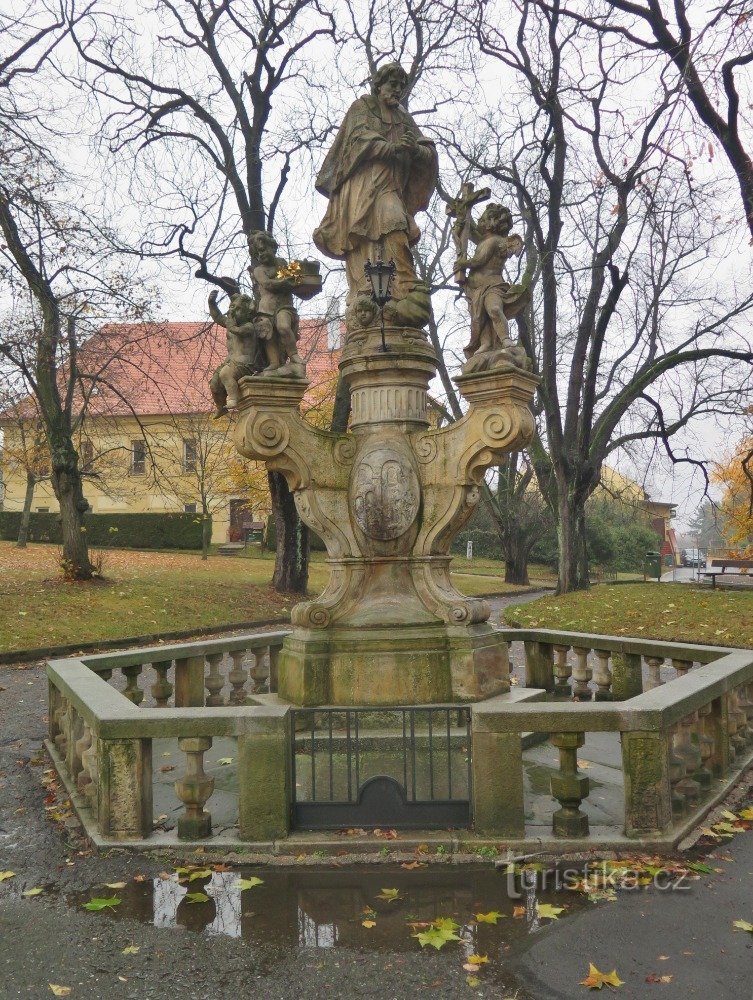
(325, 908)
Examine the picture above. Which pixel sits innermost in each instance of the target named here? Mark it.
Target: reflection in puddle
(325, 909)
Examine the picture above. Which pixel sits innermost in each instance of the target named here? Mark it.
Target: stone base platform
(393, 665)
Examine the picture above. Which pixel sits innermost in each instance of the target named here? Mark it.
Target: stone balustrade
(678, 737)
(683, 715)
(604, 668)
(231, 670)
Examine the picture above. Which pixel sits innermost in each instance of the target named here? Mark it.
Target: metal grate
(397, 766)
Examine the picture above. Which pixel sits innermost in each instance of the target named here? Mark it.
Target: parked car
(693, 557)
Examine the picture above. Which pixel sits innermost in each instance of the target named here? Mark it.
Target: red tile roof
(150, 369)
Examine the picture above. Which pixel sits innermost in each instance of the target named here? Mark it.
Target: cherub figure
(492, 300)
(278, 319)
(242, 348)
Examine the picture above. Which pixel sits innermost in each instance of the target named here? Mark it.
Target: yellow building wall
(110, 484)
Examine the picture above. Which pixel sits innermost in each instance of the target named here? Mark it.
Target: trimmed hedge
(123, 531)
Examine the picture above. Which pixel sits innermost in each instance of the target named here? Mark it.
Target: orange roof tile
(150, 369)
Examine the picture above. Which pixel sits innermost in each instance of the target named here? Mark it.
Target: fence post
(189, 682)
(124, 788)
(497, 763)
(264, 777)
(648, 792)
(539, 665)
(627, 675)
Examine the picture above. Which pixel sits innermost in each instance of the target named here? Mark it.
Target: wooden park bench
(737, 567)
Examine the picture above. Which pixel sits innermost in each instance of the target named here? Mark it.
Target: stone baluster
(683, 747)
(162, 689)
(194, 789)
(274, 656)
(237, 677)
(75, 732)
(61, 739)
(562, 672)
(214, 681)
(603, 676)
(676, 775)
(89, 764)
(260, 670)
(654, 672)
(569, 787)
(745, 708)
(682, 666)
(83, 777)
(132, 690)
(581, 674)
(737, 721)
(54, 702)
(703, 774)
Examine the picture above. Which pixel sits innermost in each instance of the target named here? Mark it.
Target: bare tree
(626, 327)
(707, 49)
(222, 99)
(24, 448)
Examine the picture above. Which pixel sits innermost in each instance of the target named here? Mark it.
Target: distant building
(659, 513)
(148, 441)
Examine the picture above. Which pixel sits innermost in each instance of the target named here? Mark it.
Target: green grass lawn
(151, 592)
(669, 611)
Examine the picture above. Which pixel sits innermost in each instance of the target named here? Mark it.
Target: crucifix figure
(463, 229)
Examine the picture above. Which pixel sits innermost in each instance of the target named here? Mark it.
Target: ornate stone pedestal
(387, 498)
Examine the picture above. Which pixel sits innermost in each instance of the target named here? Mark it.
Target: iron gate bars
(395, 766)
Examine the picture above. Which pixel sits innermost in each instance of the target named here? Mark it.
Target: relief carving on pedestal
(386, 494)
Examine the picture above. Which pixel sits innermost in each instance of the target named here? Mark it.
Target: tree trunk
(206, 534)
(66, 482)
(573, 557)
(23, 531)
(516, 566)
(291, 573)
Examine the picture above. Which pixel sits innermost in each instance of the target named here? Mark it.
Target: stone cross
(459, 208)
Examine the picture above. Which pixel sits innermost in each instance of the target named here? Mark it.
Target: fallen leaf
(139, 878)
(472, 980)
(248, 883)
(743, 925)
(368, 923)
(519, 911)
(435, 937)
(471, 967)
(445, 924)
(478, 959)
(167, 767)
(389, 895)
(595, 979)
(225, 761)
(196, 897)
(488, 918)
(663, 958)
(200, 873)
(412, 865)
(653, 978)
(131, 949)
(96, 904)
(115, 885)
(746, 813)
(5, 875)
(584, 764)
(548, 912)
(60, 991)
(33, 892)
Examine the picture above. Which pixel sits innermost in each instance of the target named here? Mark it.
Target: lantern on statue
(380, 275)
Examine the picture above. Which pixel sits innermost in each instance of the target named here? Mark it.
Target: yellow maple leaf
(595, 979)
(60, 991)
(478, 959)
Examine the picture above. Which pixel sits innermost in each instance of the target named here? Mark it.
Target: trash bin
(652, 566)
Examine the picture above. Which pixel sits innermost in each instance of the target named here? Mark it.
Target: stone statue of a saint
(243, 356)
(378, 174)
(492, 300)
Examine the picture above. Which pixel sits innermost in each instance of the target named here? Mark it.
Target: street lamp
(380, 275)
